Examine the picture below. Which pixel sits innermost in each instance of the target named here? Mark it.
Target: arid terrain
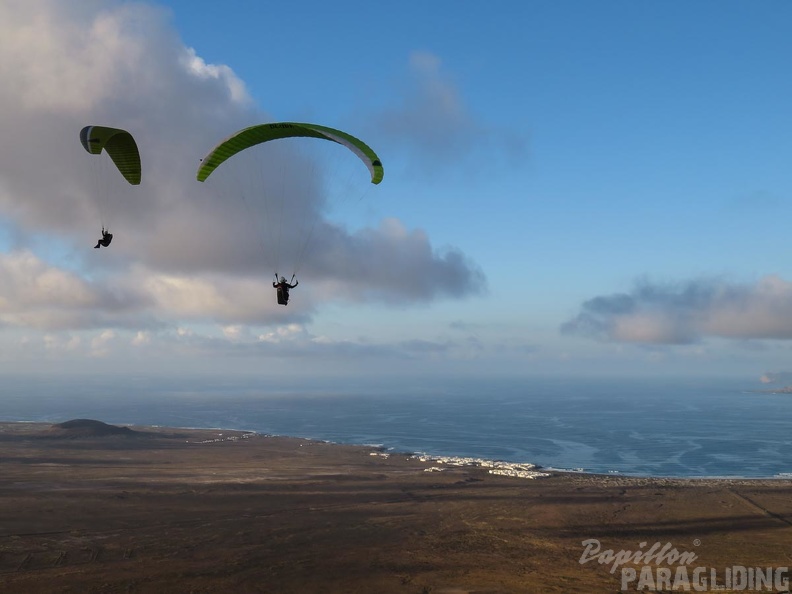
(182, 510)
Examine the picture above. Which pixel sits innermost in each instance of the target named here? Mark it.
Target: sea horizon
(674, 428)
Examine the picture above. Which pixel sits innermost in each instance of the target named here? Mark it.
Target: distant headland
(784, 390)
(78, 428)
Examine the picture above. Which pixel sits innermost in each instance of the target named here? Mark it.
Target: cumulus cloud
(100, 345)
(141, 338)
(295, 340)
(434, 123)
(37, 295)
(687, 312)
(391, 263)
(181, 248)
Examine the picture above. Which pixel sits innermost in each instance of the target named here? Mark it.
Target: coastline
(472, 461)
(459, 460)
(705, 430)
(184, 510)
(448, 461)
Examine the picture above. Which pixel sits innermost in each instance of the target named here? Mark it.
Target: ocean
(659, 427)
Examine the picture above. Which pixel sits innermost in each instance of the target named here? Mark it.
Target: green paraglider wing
(265, 132)
(120, 147)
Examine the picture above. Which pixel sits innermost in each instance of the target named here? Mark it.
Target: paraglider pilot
(106, 239)
(283, 289)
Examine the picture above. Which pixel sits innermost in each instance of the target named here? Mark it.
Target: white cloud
(102, 343)
(434, 124)
(37, 295)
(688, 312)
(141, 338)
(293, 334)
(187, 273)
(180, 250)
(220, 72)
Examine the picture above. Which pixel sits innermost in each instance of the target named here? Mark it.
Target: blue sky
(570, 188)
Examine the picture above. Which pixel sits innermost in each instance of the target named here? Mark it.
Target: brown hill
(90, 428)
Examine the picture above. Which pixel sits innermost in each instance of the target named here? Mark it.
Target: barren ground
(165, 513)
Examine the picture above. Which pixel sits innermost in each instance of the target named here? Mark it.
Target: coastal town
(500, 467)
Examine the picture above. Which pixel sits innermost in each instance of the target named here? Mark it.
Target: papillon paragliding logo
(664, 568)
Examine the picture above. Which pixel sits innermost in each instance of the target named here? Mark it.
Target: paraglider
(254, 135)
(120, 147)
(281, 209)
(283, 289)
(105, 240)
